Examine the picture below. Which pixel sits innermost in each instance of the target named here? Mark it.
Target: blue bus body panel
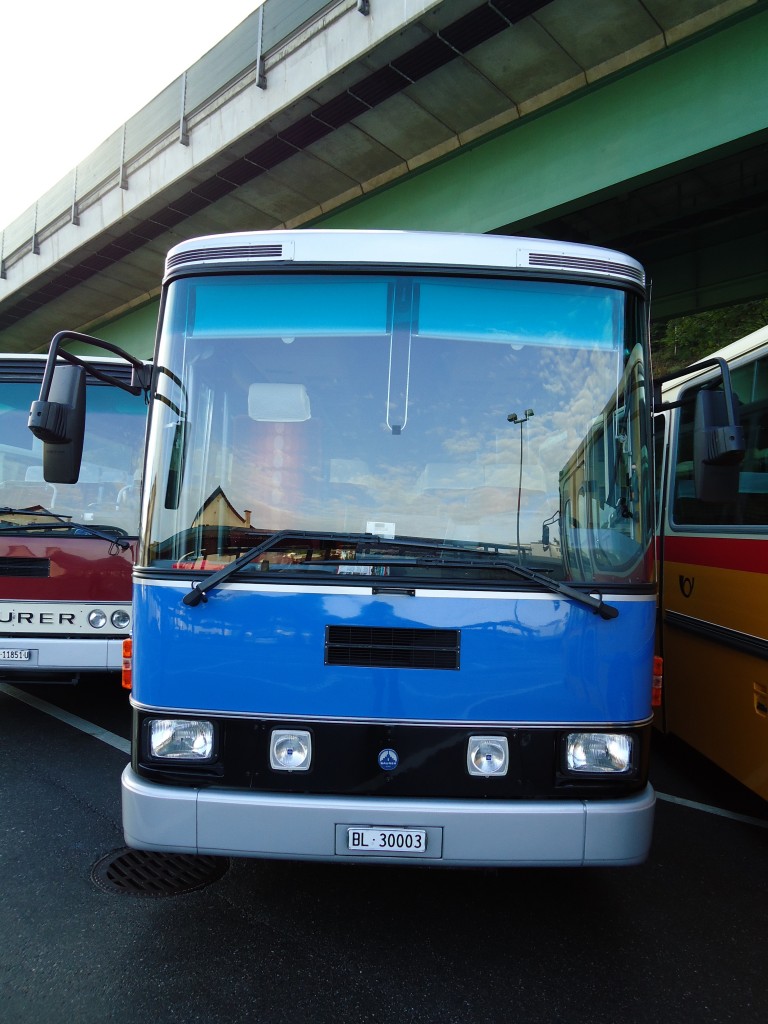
(524, 658)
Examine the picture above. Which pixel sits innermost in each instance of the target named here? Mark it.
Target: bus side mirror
(718, 447)
(59, 422)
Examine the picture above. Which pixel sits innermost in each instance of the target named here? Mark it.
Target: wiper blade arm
(605, 611)
(197, 593)
(8, 510)
(121, 542)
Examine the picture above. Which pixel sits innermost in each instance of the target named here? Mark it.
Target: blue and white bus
(394, 598)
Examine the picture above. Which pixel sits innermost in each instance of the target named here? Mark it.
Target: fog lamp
(120, 619)
(290, 750)
(181, 739)
(487, 755)
(97, 618)
(599, 752)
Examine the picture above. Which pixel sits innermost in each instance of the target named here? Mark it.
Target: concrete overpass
(640, 124)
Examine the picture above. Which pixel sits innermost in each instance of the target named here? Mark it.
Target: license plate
(411, 841)
(14, 655)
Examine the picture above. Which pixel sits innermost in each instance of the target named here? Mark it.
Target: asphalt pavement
(679, 939)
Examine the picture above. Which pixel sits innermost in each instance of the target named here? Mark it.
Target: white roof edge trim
(423, 248)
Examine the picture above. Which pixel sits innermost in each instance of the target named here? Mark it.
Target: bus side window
(659, 467)
(750, 383)
(753, 481)
(687, 508)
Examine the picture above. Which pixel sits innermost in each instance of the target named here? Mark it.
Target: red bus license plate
(14, 655)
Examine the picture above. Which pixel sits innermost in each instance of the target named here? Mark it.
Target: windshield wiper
(197, 593)
(605, 611)
(58, 522)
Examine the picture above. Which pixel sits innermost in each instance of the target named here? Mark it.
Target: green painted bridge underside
(681, 104)
(636, 126)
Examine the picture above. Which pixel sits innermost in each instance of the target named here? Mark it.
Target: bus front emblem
(686, 585)
(388, 759)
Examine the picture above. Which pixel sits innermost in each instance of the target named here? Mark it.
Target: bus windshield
(350, 411)
(107, 492)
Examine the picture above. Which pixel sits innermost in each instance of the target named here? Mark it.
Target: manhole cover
(146, 873)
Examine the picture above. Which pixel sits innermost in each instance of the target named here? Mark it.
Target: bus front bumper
(567, 833)
(40, 654)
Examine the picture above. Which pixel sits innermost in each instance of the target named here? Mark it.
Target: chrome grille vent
(384, 647)
(545, 259)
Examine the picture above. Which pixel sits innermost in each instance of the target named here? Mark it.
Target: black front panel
(431, 762)
(27, 567)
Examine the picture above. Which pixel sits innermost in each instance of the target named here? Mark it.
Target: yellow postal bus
(713, 566)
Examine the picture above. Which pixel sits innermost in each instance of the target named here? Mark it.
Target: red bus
(66, 550)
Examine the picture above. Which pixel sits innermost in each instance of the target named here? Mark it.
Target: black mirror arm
(142, 372)
(689, 371)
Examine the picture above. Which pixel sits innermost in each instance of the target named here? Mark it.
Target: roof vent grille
(546, 259)
(272, 251)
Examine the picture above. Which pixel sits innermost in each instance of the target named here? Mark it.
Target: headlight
(181, 739)
(97, 618)
(120, 619)
(487, 755)
(290, 750)
(599, 753)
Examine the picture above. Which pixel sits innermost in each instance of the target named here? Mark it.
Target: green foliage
(676, 343)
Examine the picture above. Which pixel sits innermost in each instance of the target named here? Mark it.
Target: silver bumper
(459, 832)
(53, 654)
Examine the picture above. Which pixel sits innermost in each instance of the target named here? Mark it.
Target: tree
(676, 343)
